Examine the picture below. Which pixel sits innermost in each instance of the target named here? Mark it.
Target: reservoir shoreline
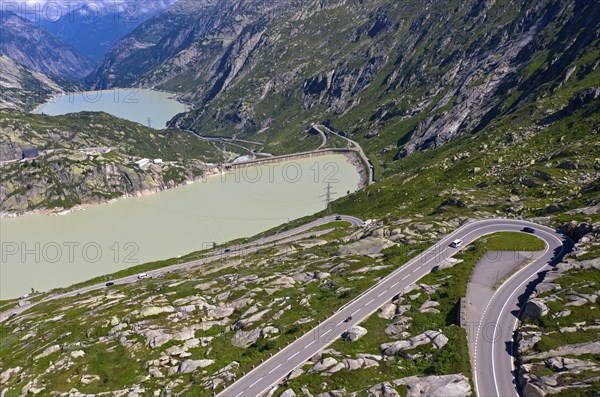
(240, 201)
(217, 170)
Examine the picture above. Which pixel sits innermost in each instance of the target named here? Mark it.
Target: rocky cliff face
(406, 76)
(90, 158)
(559, 338)
(63, 179)
(35, 48)
(22, 88)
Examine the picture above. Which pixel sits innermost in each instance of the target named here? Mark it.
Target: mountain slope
(402, 76)
(95, 28)
(32, 46)
(87, 158)
(189, 330)
(22, 88)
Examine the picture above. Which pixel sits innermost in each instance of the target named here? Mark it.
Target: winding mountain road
(492, 358)
(492, 365)
(356, 147)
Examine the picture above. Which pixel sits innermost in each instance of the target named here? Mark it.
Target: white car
(456, 243)
(142, 276)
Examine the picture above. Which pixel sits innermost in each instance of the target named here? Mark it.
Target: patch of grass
(514, 241)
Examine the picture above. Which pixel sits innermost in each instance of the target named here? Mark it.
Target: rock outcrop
(431, 386)
(366, 246)
(354, 334)
(559, 312)
(436, 338)
(190, 366)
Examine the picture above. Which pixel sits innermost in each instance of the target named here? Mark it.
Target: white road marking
(383, 293)
(405, 277)
(256, 382)
(369, 302)
(292, 356)
(275, 368)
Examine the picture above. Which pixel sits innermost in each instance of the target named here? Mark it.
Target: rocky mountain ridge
(94, 28)
(402, 76)
(22, 88)
(32, 46)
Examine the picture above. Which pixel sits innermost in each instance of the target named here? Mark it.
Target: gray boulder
(398, 326)
(531, 390)
(157, 337)
(220, 312)
(321, 275)
(150, 311)
(189, 366)
(322, 365)
(288, 393)
(436, 386)
(354, 334)
(366, 246)
(571, 350)
(388, 311)
(245, 339)
(534, 309)
(436, 338)
(5, 376)
(384, 389)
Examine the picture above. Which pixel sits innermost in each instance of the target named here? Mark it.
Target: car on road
(456, 243)
(338, 218)
(110, 284)
(435, 269)
(227, 250)
(348, 319)
(142, 276)
(529, 230)
(13, 314)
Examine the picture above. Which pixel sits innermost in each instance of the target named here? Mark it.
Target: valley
(306, 198)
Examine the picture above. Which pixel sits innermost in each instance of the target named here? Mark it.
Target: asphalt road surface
(239, 250)
(493, 364)
(493, 354)
(357, 147)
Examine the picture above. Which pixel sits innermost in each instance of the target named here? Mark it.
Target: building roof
(30, 152)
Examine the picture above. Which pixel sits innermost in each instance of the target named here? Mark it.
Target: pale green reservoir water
(44, 251)
(133, 104)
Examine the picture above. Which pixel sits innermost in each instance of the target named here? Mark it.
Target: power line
(328, 195)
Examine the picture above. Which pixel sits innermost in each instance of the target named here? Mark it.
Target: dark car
(338, 218)
(110, 283)
(529, 230)
(348, 319)
(227, 250)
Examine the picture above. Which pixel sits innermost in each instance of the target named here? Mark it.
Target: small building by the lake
(143, 163)
(30, 153)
